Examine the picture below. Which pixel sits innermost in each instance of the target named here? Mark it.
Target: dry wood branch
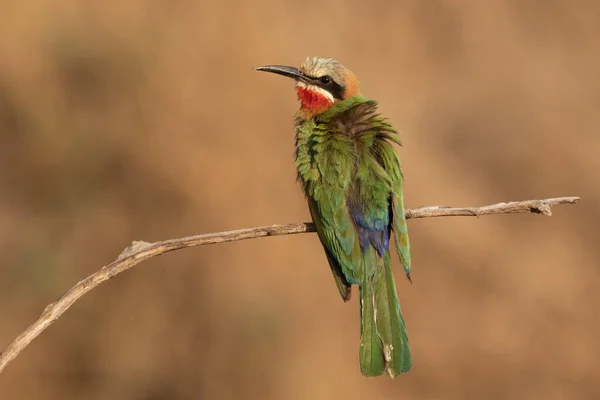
(140, 251)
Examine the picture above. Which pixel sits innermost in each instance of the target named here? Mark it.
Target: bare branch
(140, 251)
(514, 207)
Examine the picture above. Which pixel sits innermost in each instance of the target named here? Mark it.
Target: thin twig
(140, 251)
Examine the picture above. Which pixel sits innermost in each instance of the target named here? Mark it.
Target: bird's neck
(335, 109)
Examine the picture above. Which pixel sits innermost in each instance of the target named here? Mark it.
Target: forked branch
(140, 251)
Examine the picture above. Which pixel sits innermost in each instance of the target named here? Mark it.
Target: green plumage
(351, 175)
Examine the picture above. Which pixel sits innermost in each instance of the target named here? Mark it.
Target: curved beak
(290, 72)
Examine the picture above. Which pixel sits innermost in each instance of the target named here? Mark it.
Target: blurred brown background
(143, 120)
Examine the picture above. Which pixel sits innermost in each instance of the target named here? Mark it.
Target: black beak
(290, 72)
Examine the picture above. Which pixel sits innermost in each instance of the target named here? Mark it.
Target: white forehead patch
(317, 66)
(317, 89)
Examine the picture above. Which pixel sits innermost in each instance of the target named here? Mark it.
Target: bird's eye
(325, 80)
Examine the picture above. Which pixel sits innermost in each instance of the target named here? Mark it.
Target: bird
(351, 175)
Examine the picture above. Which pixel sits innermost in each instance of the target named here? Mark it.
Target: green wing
(338, 274)
(336, 230)
(391, 163)
(325, 162)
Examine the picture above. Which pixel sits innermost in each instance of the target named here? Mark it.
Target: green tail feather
(383, 340)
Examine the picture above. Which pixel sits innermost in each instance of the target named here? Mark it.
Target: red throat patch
(312, 102)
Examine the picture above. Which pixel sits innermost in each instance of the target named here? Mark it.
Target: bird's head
(320, 83)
